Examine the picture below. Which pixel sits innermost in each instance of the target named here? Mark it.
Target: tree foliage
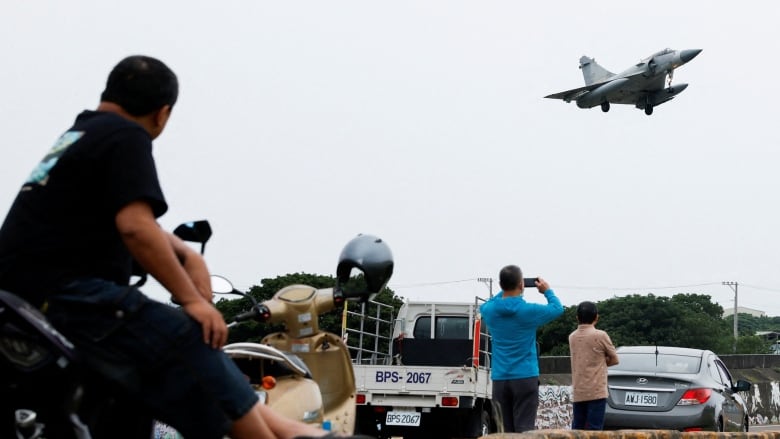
(253, 331)
(685, 320)
(749, 324)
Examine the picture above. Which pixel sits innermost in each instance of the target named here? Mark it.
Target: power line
(431, 284)
(639, 288)
(774, 290)
(592, 287)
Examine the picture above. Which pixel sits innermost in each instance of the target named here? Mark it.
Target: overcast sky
(303, 123)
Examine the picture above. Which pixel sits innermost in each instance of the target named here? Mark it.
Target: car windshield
(650, 362)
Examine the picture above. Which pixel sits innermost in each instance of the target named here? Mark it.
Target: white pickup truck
(424, 373)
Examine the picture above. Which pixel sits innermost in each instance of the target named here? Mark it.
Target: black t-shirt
(62, 225)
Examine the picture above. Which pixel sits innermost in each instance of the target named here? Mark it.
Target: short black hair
(587, 312)
(140, 85)
(510, 277)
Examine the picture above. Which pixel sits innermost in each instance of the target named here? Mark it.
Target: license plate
(406, 419)
(642, 399)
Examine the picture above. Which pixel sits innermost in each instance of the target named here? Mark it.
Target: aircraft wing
(573, 94)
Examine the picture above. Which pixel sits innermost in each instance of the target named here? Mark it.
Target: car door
(733, 414)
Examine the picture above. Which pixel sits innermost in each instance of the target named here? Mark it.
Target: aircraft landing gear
(605, 106)
(648, 109)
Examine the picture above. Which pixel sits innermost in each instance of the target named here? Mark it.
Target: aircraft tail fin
(593, 72)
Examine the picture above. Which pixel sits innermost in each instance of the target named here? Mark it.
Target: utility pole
(489, 282)
(734, 286)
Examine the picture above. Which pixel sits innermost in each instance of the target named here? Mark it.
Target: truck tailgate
(420, 379)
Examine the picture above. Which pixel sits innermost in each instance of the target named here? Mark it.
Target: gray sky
(301, 124)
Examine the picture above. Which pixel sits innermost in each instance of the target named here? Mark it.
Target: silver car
(670, 388)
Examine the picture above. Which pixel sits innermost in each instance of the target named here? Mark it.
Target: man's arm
(194, 265)
(153, 249)
(553, 309)
(609, 351)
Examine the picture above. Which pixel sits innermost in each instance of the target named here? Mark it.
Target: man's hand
(215, 331)
(542, 285)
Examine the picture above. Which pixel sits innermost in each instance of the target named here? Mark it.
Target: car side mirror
(742, 386)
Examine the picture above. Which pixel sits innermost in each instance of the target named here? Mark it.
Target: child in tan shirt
(591, 353)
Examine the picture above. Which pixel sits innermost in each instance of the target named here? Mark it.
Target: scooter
(321, 388)
(281, 379)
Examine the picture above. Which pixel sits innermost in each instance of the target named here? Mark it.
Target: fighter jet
(644, 85)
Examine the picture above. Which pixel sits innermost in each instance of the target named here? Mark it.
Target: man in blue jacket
(512, 323)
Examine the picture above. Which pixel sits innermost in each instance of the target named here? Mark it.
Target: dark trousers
(588, 415)
(518, 400)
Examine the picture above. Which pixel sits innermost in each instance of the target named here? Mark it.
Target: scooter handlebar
(258, 312)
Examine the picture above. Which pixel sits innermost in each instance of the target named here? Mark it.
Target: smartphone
(529, 282)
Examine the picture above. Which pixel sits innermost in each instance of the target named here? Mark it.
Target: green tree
(253, 331)
(685, 320)
(750, 325)
(553, 338)
(752, 344)
(703, 326)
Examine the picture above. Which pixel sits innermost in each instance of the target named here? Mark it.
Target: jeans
(588, 415)
(155, 354)
(518, 400)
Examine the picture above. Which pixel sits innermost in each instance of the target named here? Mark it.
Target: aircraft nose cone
(687, 55)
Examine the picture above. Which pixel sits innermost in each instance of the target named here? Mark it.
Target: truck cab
(437, 334)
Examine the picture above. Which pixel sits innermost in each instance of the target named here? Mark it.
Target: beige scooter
(304, 372)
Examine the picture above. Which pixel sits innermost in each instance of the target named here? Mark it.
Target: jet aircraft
(645, 85)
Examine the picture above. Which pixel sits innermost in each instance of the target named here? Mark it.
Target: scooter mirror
(221, 285)
(195, 231)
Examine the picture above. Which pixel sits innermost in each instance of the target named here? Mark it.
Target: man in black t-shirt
(67, 245)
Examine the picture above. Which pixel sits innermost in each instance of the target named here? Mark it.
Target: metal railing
(484, 334)
(367, 342)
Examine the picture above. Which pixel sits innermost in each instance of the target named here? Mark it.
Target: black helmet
(370, 255)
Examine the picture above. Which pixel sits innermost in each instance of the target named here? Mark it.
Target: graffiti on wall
(554, 407)
(762, 401)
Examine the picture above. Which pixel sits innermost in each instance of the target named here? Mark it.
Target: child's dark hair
(587, 312)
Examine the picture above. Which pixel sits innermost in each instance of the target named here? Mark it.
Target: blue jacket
(512, 323)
